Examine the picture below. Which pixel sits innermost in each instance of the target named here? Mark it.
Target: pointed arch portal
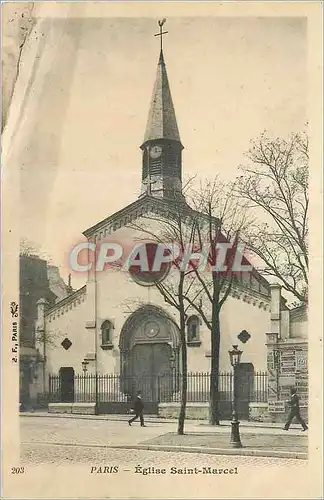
(149, 346)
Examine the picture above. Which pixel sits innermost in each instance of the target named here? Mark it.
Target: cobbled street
(129, 459)
(77, 441)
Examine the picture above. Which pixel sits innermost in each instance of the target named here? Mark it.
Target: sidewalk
(204, 426)
(254, 444)
(112, 431)
(161, 436)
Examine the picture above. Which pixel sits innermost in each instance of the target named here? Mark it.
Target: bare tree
(214, 217)
(175, 297)
(176, 226)
(28, 248)
(222, 218)
(31, 249)
(275, 184)
(48, 338)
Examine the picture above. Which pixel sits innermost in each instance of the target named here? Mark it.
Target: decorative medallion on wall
(66, 344)
(244, 336)
(151, 329)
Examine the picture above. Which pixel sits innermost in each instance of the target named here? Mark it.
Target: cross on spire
(161, 23)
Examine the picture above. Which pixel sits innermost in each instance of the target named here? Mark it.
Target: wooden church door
(151, 370)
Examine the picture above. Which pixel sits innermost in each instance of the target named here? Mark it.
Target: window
(106, 333)
(193, 330)
(148, 277)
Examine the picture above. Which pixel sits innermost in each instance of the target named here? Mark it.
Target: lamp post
(235, 357)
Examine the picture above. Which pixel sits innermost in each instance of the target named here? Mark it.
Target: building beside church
(37, 280)
(287, 358)
(117, 329)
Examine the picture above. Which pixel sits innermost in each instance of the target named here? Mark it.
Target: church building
(117, 333)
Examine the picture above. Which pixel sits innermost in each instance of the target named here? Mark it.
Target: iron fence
(88, 388)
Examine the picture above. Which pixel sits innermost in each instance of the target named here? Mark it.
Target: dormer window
(193, 331)
(106, 335)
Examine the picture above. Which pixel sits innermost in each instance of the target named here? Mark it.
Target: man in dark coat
(294, 411)
(138, 407)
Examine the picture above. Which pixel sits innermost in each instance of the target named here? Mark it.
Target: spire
(162, 148)
(162, 123)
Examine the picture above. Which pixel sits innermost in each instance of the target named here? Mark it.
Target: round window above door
(149, 277)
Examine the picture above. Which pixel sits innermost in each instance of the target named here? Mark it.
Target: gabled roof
(150, 204)
(66, 301)
(136, 209)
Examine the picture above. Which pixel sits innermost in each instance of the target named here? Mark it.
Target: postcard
(162, 258)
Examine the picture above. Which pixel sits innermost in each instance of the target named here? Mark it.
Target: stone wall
(258, 412)
(194, 411)
(75, 408)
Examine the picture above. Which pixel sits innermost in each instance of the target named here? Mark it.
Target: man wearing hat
(138, 408)
(294, 411)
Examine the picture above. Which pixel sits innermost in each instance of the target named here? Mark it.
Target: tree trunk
(182, 414)
(214, 371)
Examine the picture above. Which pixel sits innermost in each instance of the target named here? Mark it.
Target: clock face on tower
(155, 151)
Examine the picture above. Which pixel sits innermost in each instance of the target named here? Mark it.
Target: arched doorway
(149, 347)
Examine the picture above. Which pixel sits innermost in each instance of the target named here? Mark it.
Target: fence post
(97, 402)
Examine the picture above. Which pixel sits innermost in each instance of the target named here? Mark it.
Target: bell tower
(162, 148)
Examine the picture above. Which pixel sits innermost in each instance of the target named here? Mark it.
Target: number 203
(17, 470)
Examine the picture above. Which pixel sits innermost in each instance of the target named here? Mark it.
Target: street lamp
(84, 366)
(235, 357)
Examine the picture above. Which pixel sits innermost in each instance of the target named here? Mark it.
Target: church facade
(120, 326)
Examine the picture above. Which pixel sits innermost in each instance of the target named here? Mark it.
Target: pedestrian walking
(138, 408)
(294, 411)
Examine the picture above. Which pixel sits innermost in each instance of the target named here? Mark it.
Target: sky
(88, 101)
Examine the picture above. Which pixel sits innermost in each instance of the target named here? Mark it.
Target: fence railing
(116, 388)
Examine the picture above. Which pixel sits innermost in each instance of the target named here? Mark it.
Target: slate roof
(161, 123)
